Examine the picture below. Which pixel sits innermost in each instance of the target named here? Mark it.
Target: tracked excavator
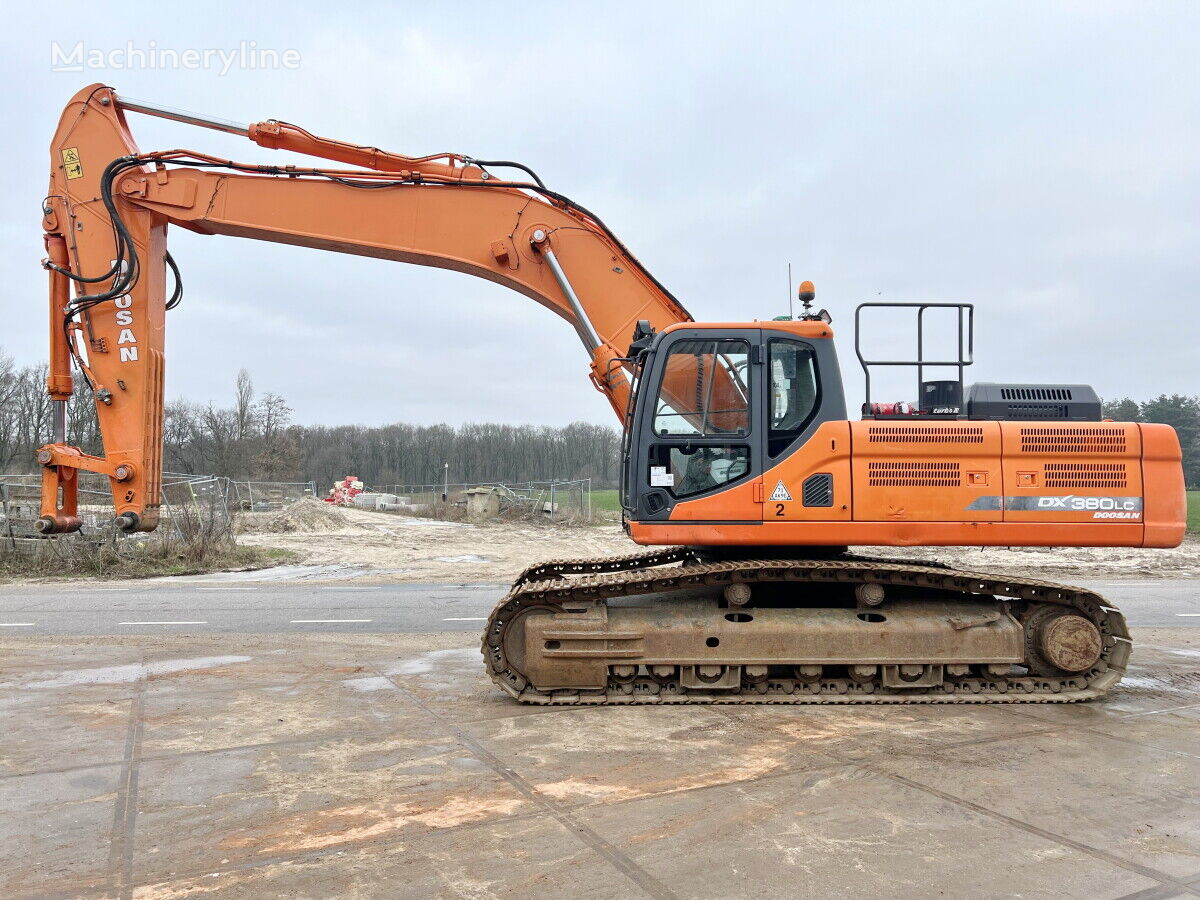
(741, 467)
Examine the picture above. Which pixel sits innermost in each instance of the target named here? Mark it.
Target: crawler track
(661, 573)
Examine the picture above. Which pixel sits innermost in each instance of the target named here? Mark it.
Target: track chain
(548, 585)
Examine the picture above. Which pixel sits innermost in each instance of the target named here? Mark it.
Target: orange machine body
(913, 481)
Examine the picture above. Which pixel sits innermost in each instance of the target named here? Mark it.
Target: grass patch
(1193, 510)
(77, 557)
(608, 500)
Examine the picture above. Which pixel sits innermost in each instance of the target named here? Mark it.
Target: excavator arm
(105, 220)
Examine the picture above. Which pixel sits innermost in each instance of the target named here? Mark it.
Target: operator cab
(717, 405)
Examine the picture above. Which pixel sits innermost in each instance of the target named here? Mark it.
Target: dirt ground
(396, 548)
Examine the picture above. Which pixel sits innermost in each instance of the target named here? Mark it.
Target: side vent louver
(1035, 393)
(913, 474)
(925, 434)
(1078, 439)
(1085, 475)
(818, 490)
(1037, 411)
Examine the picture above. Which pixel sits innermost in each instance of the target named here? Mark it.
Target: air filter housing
(1008, 402)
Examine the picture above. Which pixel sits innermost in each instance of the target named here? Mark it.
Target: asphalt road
(158, 607)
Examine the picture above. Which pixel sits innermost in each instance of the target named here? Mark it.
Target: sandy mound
(303, 515)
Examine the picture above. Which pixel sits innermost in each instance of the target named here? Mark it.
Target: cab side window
(794, 390)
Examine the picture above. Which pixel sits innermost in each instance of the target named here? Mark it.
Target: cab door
(806, 439)
(701, 448)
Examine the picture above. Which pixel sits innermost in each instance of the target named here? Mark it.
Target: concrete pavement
(386, 765)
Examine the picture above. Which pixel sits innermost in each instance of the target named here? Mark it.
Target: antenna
(791, 310)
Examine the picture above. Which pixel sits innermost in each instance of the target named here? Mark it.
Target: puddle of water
(425, 663)
(133, 671)
(1149, 683)
(376, 683)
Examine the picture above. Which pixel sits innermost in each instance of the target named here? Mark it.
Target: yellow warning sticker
(71, 163)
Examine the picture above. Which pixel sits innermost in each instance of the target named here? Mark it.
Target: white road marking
(17, 624)
(162, 623)
(326, 621)
(467, 619)
(93, 590)
(228, 589)
(329, 588)
(1188, 615)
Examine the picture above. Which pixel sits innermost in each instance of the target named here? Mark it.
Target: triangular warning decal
(780, 492)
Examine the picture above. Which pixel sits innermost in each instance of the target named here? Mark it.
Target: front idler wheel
(1058, 641)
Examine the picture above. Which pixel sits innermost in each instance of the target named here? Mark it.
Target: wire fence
(261, 496)
(204, 506)
(193, 506)
(555, 500)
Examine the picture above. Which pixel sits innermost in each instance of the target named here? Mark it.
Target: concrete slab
(337, 703)
(386, 765)
(1177, 731)
(79, 730)
(242, 806)
(533, 857)
(847, 832)
(861, 732)
(582, 756)
(1129, 799)
(58, 831)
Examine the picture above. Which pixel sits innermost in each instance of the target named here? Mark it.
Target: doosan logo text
(126, 340)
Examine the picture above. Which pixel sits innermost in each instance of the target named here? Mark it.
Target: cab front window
(705, 389)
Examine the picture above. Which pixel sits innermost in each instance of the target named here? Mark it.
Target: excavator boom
(107, 201)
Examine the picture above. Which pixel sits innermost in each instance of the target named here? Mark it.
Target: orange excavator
(740, 465)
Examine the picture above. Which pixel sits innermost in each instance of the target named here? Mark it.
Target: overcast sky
(1037, 159)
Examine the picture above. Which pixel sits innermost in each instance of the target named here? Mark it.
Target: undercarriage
(678, 626)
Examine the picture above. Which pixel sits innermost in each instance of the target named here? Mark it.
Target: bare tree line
(25, 416)
(415, 454)
(254, 437)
